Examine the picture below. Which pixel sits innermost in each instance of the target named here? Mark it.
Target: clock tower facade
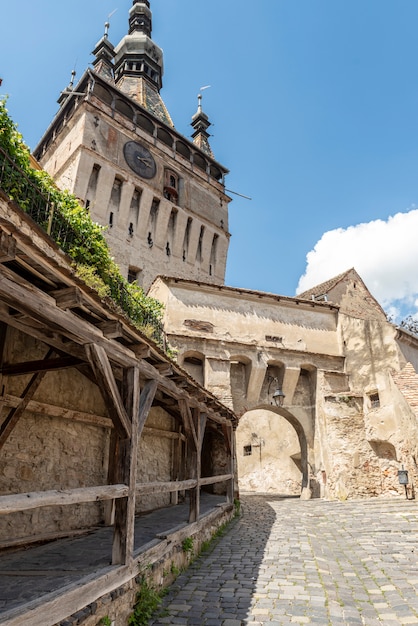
(113, 144)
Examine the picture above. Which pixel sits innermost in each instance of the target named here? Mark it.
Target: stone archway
(273, 452)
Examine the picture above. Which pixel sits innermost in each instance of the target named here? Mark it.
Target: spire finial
(200, 123)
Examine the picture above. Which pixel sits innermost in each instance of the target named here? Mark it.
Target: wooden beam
(147, 398)
(165, 369)
(166, 487)
(189, 426)
(7, 247)
(52, 322)
(14, 415)
(45, 365)
(124, 530)
(41, 408)
(36, 499)
(68, 298)
(213, 480)
(107, 384)
(203, 420)
(227, 436)
(193, 461)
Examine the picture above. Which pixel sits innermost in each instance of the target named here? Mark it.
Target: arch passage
(272, 452)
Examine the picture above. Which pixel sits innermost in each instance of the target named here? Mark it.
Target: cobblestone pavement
(288, 562)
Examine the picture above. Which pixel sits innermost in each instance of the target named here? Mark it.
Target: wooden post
(125, 470)
(230, 448)
(193, 464)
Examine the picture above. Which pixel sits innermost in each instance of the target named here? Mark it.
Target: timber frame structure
(41, 298)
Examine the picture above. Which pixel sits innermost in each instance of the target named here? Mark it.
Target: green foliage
(187, 545)
(105, 621)
(147, 601)
(11, 140)
(174, 569)
(237, 507)
(71, 226)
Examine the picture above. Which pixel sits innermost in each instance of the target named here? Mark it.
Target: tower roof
(139, 62)
(104, 53)
(200, 123)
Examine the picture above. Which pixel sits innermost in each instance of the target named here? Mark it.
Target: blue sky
(315, 112)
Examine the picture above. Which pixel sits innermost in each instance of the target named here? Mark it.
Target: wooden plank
(158, 432)
(40, 408)
(45, 365)
(213, 480)
(52, 322)
(15, 414)
(33, 500)
(107, 384)
(166, 487)
(31, 301)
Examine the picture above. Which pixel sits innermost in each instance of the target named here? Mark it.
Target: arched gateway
(273, 452)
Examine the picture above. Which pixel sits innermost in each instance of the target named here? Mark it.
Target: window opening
(200, 244)
(248, 450)
(92, 186)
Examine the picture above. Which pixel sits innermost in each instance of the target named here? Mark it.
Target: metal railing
(15, 183)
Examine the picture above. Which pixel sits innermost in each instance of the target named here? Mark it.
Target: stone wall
(268, 454)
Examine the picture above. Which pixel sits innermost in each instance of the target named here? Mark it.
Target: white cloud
(384, 253)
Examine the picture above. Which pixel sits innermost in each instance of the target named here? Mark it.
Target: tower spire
(200, 123)
(139, 62)
(104, 53)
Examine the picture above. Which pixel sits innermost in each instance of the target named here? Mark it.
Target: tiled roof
(325, 287)
(407, 383)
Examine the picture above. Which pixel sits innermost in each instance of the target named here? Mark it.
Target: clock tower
(114, 145)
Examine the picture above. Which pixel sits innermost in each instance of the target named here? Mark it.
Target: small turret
(200, 123)
(104, 53)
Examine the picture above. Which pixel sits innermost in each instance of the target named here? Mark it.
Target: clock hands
(146, 162)
(139, 159)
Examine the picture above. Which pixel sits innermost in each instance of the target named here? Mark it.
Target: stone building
(114, 145)
(324, 385)
(347, 422)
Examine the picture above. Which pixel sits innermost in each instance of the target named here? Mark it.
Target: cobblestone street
(286, 562)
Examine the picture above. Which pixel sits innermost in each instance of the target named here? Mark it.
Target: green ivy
(147, 602)
(75, 232)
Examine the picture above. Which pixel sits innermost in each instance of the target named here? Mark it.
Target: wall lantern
(278, 395)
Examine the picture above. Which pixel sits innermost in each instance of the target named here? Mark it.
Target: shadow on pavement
(221, 583)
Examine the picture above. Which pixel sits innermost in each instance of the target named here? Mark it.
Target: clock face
(139, 159)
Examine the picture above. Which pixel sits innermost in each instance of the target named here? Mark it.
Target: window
(374, 400)
(133, 274)
(248, 450)
(171, 186)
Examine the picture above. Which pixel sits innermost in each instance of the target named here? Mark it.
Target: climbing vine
(74, 231)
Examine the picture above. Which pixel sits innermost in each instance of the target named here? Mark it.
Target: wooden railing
(15, 503)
